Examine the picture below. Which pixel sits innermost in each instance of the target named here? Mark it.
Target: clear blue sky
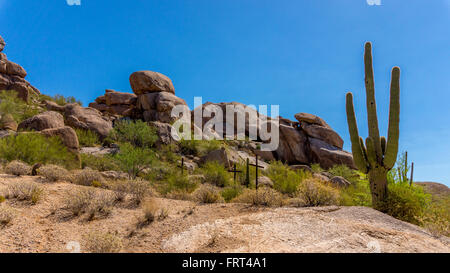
(302, 55)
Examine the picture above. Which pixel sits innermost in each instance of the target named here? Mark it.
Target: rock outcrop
(12, 76)
(153, 99)
(46, 120)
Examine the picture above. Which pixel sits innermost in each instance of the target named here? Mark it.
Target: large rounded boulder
(148, 81)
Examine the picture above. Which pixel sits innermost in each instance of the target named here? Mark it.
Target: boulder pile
(153, 98)
(12, 76)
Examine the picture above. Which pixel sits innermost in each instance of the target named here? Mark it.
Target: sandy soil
(189, 227)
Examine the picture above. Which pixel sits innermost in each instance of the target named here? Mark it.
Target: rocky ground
(190, 227)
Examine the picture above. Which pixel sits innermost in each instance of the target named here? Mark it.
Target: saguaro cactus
(379, 154)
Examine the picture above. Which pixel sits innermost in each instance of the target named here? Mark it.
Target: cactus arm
(394, 120)
(372, 118)
(371, 153)
(383, 145)
(358, 156)
(363, 148)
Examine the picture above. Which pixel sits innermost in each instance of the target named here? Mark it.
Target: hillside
(189, 227)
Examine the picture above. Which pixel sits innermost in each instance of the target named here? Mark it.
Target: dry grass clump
(179, 195)
(314, 193)
(18, 168)
(207, 194)
(97, 242)
(90, 201)
(6, 215)
(137, 189)
(263, 197)
(24, 191)
(53, 173)
(152, 211)
(87, 177)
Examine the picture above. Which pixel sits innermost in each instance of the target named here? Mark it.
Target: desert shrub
(101, 205)
(19, 109)
(87, 138)
(316, 168)
(179, 195)
(100, 163)
(18, 168)
(358, 193)
(231, 192)
(133, 160)
(198, 147)
(35, 148)
(119, 189)
(77, 201)
(406, 202)
(137, 133)
(436, 218)
(53, 173)
(284, 179)
(96, 242)
(207, 194)
(139, 189)
(89, 201)
(314, 192)
(7, 214)
(151, 211)
(168, 153)
(344, 171)
(216, 174)
(62, 100)
(175, 181)
(263, 197)
(24, 191)
(86, 177)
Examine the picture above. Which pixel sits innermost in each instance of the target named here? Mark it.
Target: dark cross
(234, 171)
(257, 167)
(182, 165)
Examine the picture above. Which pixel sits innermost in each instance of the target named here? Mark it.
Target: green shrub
(344, 171)
(314, 193)
(137, 133)
(216, 174)
(100, 163)
(34, 148)
(60, 99)
(198, 147)
(19, 109)
(133, 160)
(284, 179)
(231, 192)
(177, 182)
(406, 202)
(87, 138)
(436, 217)
(358, 193)
(316, 168)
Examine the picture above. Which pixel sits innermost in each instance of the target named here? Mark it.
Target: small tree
(134, 160)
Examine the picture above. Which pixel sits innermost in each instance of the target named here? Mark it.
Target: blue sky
(302, 55)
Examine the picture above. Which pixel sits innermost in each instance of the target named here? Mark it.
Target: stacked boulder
(153, 98)
(115, 103)
(12, 76)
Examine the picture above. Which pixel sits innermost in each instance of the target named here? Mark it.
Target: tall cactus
(378, 155)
